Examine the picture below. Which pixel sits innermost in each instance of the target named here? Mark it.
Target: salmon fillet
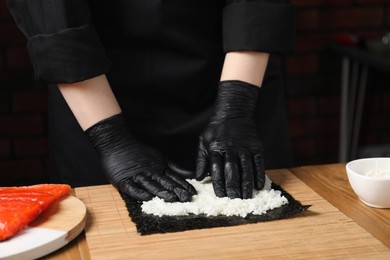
(21, 205)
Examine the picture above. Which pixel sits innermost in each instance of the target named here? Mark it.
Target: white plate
(55, 228)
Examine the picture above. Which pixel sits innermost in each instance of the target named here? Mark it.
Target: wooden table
(338, 225)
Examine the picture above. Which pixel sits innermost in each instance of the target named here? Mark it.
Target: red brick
(307, 19)
(352, 17)
(12, 80)
(306, 2)
(18, 170)
(312, 160)
(330, 106)
(1, 58)
(304, 127)
(338, 2)
(379, 122)
(386, 138)
(326, 159)
(30, 102)
(329, 145)
(304, 147)
(318, 40)
(386, 103)
(320, 130)
(332, 37)
(26, 125)
(309, 42)
(5, 147)
(17, 58)
(30, 146)
(302, 64)
(368, 138)
(321, 2)
(314, 150)
(303, 86)
(10, 34)
(47, 167)
(4, 103)
(299, 107)
(313, 126)
(372, 1)
(388, 16)
(371, 34)
(4, 13)
(307, 159)
(330, 125)
(373, 103)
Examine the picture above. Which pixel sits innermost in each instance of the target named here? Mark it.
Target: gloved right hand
(230, 149)
(135, 169)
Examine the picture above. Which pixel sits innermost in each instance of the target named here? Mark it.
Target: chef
(142, 91)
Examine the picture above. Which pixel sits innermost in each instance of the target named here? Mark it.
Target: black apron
(166, 64)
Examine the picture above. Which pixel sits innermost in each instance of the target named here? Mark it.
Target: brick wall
(23, 109)
(312, 78)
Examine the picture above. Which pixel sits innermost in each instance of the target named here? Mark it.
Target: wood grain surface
(322, 232)
(67, 214)
(76, 249)
(331, 183)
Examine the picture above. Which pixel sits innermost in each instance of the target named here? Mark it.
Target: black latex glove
(230, 149)
(136, 169)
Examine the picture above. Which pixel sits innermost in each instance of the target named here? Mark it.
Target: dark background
(312, 74)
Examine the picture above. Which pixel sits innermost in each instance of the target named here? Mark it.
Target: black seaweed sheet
(149, 224)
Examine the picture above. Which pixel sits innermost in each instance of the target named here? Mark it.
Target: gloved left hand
(230, 149)
(134, 168)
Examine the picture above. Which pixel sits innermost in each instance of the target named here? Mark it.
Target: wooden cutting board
(321, 232)
(54, 228)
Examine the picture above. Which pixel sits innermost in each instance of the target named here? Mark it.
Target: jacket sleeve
(258, 25)
(62, 44)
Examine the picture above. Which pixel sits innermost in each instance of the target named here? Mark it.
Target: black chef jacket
(163, 59)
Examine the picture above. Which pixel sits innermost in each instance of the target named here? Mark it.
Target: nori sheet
(149, 224)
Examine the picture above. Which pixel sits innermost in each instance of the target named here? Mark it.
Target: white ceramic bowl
(373, 191)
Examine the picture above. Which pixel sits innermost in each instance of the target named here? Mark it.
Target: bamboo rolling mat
(321, 232)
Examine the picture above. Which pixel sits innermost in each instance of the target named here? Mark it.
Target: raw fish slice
(21, 205)
(43, 199)
(58, 190)
(15, 215)
(46, 194)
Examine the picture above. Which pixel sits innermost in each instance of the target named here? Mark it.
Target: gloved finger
(170, 185)
(129, 188)
(258, 161)
(232, 175)
(178, 188)
(145, 181)
(247, 174)
(216, 169)
(182, 182)
(201, 161)
(180, 170)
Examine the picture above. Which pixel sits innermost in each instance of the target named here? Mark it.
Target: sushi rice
(205, 202)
